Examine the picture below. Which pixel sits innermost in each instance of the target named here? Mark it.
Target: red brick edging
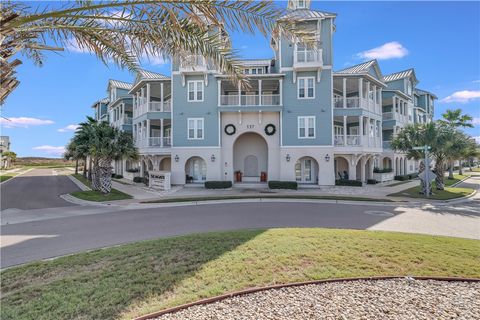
(295, 284)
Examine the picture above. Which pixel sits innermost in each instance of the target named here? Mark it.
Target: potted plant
(238, 176)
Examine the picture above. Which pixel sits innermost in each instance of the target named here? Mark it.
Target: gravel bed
(366, 299)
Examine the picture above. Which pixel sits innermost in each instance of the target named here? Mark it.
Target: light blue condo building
(298, 121)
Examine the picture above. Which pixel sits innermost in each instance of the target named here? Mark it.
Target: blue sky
(441, 40)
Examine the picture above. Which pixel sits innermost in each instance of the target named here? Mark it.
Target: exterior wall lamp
(212, 158)
(287, 157)
(327, 158)
(177, 158)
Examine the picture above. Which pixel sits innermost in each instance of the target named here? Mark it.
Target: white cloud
(389, 50)
(23, 122)
(476, 81)
(462, 96)
(476, 121)
(70, 127)
(477, 139)
(51, 150)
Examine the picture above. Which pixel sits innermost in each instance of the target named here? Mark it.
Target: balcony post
(375, 96)
(239, 94)
(281, 91)
(161, 97)
(219, 85)
(260, 92)
(161, 132)
(148, 97)
(368, 95)
(344, 92)
(360, 127)
(344, 130)
(360, 92)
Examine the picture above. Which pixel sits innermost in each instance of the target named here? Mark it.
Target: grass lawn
(5, 177)
(399, 183)
(97, 196)
(447, 194)
(263, 196)
(135, 279)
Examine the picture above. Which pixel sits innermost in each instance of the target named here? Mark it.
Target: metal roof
(119, 84)
(360, 68)
(145, 74)
(104, 101)
(422, 92)
(305, 14)
(401, 75)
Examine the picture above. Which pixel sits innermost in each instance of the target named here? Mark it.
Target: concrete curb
(18, 175)
(69, 198)
(79, 184)
(457, 183)
(295, 284)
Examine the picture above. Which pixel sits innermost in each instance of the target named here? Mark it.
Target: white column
(368, 95)
(148, 92)
(161, 132)
(148, 130)
(219, 85)
(368, 130)
(161, 96)
(260, 92)
(375, 96)
(360, 92)
(360, 128)
(239, 95)
(344, 92)
(344, 130)
(281, 91)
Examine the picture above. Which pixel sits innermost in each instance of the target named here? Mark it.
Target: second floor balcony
(307, 59)
(154, 106)
(262, 92)
(394, 116)
(193, 64)
(153, 142)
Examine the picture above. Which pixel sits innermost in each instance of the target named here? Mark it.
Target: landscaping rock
(372, 299)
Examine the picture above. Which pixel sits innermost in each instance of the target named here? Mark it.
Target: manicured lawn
(135, 279)
(399, 183)
(447, 194)
(5, 177)
(264, 196)
(97, 196)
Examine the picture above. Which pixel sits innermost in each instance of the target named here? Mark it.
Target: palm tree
(85, 137)
(438, 136)
(455, 119)
(71, 153)
(10, 157)
(122, 31)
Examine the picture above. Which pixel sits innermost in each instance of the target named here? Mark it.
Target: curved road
(45, 233)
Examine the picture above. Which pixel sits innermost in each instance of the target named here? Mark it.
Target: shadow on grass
(101, 284)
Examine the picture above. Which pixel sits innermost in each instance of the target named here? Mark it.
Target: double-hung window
(306, 127)
(195, 128)
(195, 90)
(306, 87)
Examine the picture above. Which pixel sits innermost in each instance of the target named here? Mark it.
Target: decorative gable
(298, 4)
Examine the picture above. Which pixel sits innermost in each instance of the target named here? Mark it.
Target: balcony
(193, 64)
(250, 100)
(387, 144)
(356, 103)
(262, 92)
(154, 142)
(394, 116)
(347, 141)
(304, 60)
(156, 106)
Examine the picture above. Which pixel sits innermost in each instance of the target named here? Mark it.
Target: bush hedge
(372, 181)
(406, 177)
(385, 170)
(272, 184)
(350, 183)
(118, 176)
(218, 184)
(138, 179)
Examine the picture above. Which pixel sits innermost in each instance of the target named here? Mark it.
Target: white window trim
(195, 90)
(195, 128)
(306, 87)
(307, 127)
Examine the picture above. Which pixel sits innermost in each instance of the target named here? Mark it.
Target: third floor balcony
(262, 92)
(304, 60)
(193, 64)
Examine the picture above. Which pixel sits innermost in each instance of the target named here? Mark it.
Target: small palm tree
(85, 138)
(122, 31)
(71, 153)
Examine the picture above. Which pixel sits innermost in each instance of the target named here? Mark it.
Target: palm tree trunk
(440, 172)
(450, 171)
(76, 166)
(460, 168)
(85, 167)
(105, 166)
(423, 185)
(96, 175)
(90, 168)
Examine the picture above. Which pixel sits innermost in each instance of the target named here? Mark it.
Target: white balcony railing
(394, 116)
(250, 100)
(193, 63)
(348, 140)
(308, 56)
(156, 106)
(155, 142)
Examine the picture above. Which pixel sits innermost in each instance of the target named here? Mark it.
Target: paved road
(36, 189)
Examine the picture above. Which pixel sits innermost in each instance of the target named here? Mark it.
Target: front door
(305, 171)
(199, 170)
(251, 166)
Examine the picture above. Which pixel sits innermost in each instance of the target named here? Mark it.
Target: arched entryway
(401, 172)
(341, 169)
(306, 170)
(369, 169)
(195, 170)
(166, 164)
(250, 156)
(387, 163)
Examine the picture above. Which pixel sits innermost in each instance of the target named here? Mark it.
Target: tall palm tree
(455, 119)
(122, 31)
(85, 137)
(438, 136)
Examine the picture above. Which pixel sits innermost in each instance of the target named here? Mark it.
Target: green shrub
(283, 185)
(350, 183)
(133, 170)
(118, 176)
(372, 181)
(218, 184)
(385, 170)
(406, 177)
(400, 178)
(137, 179)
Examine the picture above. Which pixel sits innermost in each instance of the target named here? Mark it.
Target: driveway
(36, 189)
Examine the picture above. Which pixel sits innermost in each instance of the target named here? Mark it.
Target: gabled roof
(423, 92)
(104, 101)
(363, 68)
(255, 62)
(401, 75)
(307, 14)
(119, 84)
(145, 74)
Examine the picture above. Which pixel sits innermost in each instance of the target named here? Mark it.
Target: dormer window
(301, 4)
